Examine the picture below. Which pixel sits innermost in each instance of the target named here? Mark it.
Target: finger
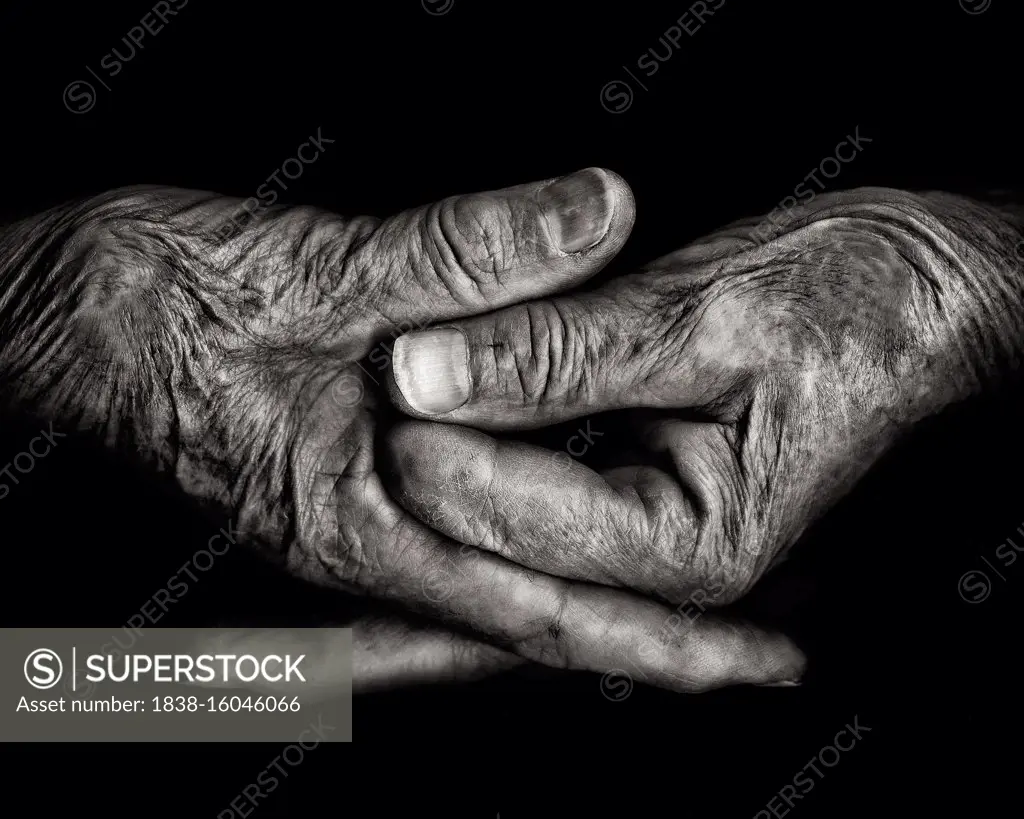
(384, 652)
(634, 527)
(525, 366)
(389, 652)
(556, 359)
(474, 253)
(553, 621)
(525, 503)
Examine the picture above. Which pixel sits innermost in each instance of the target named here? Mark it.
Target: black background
(490, 94)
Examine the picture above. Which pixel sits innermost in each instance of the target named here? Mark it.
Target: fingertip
(773, 659)
(429, 373)
(431, 461)
(624, 214)
(588, 209)
(406, 444)
(792, 661)
(719, 653)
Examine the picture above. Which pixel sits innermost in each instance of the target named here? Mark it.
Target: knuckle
(723, 564)
(546, 638)
(338, 527)
(327, 248)
(542, 356)
(467, 242)
(332, 552)
(558, 652)
(733, 544)
(838, 293)
(725, 567)
(663, 527)
(675, 567)
(121, 272)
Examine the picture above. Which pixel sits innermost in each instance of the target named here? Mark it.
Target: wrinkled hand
(231, 360)
(774, 376)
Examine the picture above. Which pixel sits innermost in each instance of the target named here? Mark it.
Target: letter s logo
(39, 669)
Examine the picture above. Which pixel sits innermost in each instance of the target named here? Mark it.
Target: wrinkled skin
(231, 361)
(778, 374)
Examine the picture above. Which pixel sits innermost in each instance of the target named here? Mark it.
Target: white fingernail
(432, 370)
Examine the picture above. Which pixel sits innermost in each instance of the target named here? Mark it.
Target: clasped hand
(771, 374)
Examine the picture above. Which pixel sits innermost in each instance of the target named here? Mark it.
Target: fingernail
(787, 664)
(578, 209)
(432, 369)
